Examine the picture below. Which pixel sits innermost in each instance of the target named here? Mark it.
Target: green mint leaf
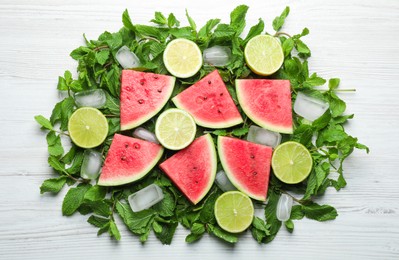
(237, 19)
(98, 221)
(156, 227)
(56, 113)
(311, 186)
(302, 47)
(70, 155)
(95, 193)
(76, 165)
(319, 212)
(54, 144)
(113, 231)
(207, 214)
(314, 81)
(172, 21)
(278, 22)
(127, 22)
(137, 222)
(102, 56)
(191, 22)
(99, 207)
(322, 121)
(183, 32)
(297, 212)
(191, 238)
(166, 207)
(166, 235)
(289, 225)
(44, 122)
(103, 229)
(223, 32)
(270, 212)
(206, 30)
(240, 131)
(333, 83)
(67, 108)
(255, 30)
(198, 228)
(288, 45)
(53, 185)
(362, 146)
(224, 235)
(337, 106)
(56, 164)
(73, 199)
(79, 53)
(159, 19)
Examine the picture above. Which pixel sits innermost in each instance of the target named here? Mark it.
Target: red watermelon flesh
(193, 169)
(247, 165)
(128, 160)
(267, 103)
(143, 95)
(209, 102)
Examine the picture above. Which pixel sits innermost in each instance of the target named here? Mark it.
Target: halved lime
(175, 129)
(234, 211)
(87, 127)
(291, 162)
(182, 58)
(264, 54)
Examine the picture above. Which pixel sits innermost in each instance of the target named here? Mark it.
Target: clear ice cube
(308, 107)
(126, 58)
(91, 165)
(90, 98)
(217, 55)
(223, 182)
(144, 134)
(263, 136)
(284, 206)
(145, 198)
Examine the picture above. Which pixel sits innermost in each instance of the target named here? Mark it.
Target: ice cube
(263, 136)
(144, 134)
(91, 165)
(90, 98)
(223, 182)
(217, 55)
(308, 107)
(126, 58)
(145, 198)
(284, 206)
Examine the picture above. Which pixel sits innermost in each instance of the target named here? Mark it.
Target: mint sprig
(326, 137)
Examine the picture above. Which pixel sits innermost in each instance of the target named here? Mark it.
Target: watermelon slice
(267, 103)
(193, 169)
(209, 102)
(247, 165)
(143, 95)
(128, 160)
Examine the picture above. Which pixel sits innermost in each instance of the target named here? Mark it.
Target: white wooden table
(354, 40)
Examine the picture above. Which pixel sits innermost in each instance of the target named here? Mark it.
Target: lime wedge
(234, 211)
(87, 127)
(175, 129)
(264, 55)
(291, 162)
(182, 58)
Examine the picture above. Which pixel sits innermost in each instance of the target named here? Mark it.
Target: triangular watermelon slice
(143, 95)
(193, 169)
(209, 102)
(267, 103)
(247, 165)
(128, 160)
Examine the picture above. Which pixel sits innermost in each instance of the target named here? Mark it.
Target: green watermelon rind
(259, 121)
(135, 177)
(207, 124)
(151, 114)
(230, 175)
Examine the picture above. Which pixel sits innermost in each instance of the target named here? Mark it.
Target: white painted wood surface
(354, 40)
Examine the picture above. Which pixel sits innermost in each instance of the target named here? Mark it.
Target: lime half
(182, 58)
(234, 211)
(175, 129)
(291, 162)
(264, 54)
(87, 127)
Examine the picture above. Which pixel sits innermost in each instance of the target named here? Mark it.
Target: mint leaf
(278, 22)
(102, 56)
(220, 233)
(288, 45)
(98, 221)
(172, 21)
(319, 212)
(137, 222)
(240, 131)
(166, 207)
(289, 225)
(56, 164)
(237, 19)
(337, 106)
(54, 144)
(191, 22)
(190, 238)
(270, 214)
(113, 231)
(127, 22)
(167, 232)
(198, 228)
(297, 212)
(159, 19)
(95, 193)
(255, 30)
(333, 83)
(67, 108)
(53, 185)
(44, 122)
(73, 199)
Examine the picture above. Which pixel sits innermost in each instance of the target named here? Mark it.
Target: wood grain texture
(354, 40)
